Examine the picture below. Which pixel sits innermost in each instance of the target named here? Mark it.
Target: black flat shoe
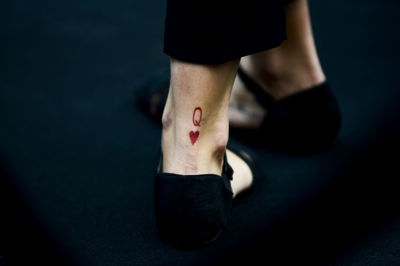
(305, 121)
(193, 210)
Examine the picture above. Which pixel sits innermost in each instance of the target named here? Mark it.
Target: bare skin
(197, 86)
(242, 176)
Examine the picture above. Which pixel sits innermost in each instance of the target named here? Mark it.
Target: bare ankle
(182, 156)
(300, 75)
(195, 119)
(183, 159)
(283, 75)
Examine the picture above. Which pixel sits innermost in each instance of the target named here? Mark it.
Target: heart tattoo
(194, 136)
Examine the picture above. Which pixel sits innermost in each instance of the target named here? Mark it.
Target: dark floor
(77, 157)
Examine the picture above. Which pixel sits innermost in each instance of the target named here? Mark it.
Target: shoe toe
(314, 118)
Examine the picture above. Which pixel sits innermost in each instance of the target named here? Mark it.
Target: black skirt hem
(223, 40)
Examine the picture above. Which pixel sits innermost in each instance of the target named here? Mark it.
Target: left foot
(246, 112)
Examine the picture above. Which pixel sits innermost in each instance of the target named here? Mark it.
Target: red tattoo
(194, 136)
(197, 115)
(196, 122)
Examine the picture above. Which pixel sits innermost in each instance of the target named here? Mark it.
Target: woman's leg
(195, 121)
(293, 66)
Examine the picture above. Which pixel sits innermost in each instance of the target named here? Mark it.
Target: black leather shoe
(305, 121)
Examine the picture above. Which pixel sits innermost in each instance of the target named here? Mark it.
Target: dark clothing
(216, 31)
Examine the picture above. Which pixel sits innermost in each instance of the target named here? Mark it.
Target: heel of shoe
(191, 210)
